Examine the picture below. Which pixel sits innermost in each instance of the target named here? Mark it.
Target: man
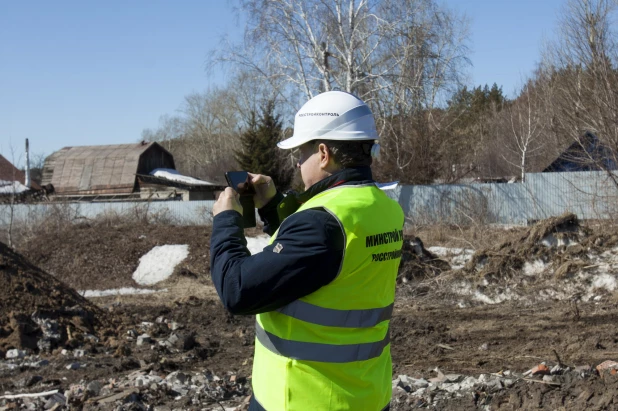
(323, 290)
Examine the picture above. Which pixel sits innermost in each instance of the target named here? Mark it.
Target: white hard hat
(333, 115)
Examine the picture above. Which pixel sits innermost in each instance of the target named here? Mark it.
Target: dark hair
(349, 153)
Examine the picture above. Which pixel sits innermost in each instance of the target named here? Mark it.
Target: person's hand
(264, 187)
(228, 200)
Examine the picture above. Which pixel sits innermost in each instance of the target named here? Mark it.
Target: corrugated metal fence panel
(591, 195)
(176, 212)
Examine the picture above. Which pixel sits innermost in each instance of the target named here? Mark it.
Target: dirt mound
(37, 311)
(99, 256)
(417, 263)
(562, 244)
(506, 259)
(557, 258)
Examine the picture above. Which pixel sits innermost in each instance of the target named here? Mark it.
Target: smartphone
(239, 181)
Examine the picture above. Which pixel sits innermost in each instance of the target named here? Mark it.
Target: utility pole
(27, 178)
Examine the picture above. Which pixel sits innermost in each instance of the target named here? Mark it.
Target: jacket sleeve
(268, 214)
(307, 255)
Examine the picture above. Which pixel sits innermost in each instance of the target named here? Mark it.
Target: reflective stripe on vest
(306, 351)
(330, 317)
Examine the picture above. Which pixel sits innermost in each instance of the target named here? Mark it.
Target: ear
(325, 156)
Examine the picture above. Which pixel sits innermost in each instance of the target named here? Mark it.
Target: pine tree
(260, 154)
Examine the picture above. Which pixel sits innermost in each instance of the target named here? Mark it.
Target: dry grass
(456, 236)
(57, 217)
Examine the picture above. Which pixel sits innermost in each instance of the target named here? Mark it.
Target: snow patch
(257, 244)
(12, 187)
(606, 281)
(174, 175)
(551, 241)
(532, 269)
(506, 226)
(507, 295)
(611, 256)
(159, 263)
(445, 251)
(456, 257)
(119, 291)
(551, 294)
(462, 288)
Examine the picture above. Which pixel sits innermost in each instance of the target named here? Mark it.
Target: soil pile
(96, 256)
(562, 244)
(38, 312)
(417, 263)
(507, 258)
(557, 258)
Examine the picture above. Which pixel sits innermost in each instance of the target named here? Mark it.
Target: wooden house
(115, 172)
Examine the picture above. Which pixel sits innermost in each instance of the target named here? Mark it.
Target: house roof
(90, 168)
(8, 172)
(586, 154)
(150, 179)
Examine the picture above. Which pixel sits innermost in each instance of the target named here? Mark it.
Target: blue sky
(85, 72)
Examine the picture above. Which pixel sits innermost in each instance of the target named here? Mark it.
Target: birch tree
(525, 129)
(401, 56)
(581, 86)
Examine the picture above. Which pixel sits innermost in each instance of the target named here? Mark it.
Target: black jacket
(308, 257)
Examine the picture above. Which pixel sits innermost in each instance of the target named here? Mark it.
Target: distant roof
(110, 168)
(12, 187)
(162, 181)
(174, 175)
(8, 172)
(587, 154)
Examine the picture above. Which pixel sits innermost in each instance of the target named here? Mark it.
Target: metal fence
(169, 212)
(591, 195)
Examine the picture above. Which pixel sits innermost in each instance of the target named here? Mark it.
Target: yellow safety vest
(330, 350)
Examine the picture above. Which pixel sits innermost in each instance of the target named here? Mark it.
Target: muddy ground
(433, 333)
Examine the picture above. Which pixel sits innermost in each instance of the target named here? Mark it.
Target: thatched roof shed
(103, 170)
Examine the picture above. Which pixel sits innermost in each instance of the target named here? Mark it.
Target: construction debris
(485, 389)
(38, 313)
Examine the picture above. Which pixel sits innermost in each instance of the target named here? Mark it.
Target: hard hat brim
(292, 142)
(297, 141)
